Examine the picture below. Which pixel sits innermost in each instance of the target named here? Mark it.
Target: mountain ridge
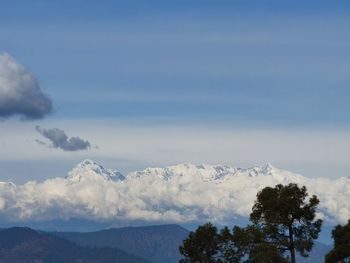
(184, 193)
(207, 172)
(142, 244)
(158, 243)
(22, 245)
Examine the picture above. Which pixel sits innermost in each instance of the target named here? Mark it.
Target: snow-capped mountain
(204, 172)
(214, 173)
(89, 170)
(180, 193)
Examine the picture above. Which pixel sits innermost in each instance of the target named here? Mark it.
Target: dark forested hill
(159, 244)
(24, 245)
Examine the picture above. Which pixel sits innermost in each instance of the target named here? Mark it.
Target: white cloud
(184, 193)
(20, 93)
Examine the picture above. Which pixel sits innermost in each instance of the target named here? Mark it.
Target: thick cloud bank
(59, 139)
(20, 92)
(182, 193)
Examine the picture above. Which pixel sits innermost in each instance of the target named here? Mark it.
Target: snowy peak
(191, 171)
(179, 193)
(267, 169)
(211, 173)
(89, 170)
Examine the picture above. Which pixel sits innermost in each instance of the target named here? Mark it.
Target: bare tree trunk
(291, 247)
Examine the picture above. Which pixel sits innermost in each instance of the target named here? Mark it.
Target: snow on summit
(180, 193)
(88, 169)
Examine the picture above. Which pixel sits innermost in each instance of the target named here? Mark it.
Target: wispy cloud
(59, 139)
(20, 93)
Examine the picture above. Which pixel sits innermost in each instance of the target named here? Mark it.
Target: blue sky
(276, 64)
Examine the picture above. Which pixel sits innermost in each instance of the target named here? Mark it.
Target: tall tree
(246, 243)
(251, 243)
(287, 219)
(283, 220)
(341, 251)
(233, 246)
(201, 246)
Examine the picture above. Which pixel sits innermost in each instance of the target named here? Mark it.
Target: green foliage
(251, 243)
(201, 246)
(282, 220)
(206, 245)
(287, 220)
(232, 245)
(266, 253)
(341, 250)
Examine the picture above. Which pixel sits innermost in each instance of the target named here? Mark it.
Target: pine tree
(341, 251)
(287, 219)
(201, 246)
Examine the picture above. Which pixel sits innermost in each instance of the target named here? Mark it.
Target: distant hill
(61, 225)
(159, 244)
(24, 245)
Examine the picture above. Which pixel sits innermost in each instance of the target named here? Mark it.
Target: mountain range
(182, 194)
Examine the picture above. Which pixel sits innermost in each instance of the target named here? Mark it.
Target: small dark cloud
(59, 139)
(20, 92)
(40, 142)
